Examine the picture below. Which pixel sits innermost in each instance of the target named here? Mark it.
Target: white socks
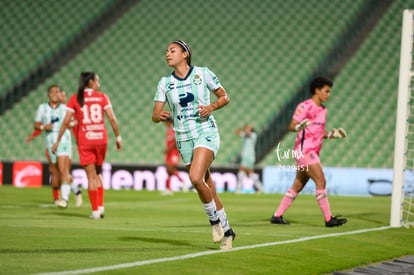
(65, 191)
(240, 177)
(211, 210)
(75, 188)
(223, 219)
(256, 182)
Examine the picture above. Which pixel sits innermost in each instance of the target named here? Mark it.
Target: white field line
(210, 252)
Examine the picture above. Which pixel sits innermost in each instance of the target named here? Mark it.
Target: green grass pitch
(146, 233)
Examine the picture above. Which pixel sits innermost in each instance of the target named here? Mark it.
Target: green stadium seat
(271, 58)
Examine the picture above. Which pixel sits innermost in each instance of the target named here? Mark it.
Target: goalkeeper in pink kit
(309, 122)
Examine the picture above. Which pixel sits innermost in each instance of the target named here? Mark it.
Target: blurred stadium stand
(264, 53)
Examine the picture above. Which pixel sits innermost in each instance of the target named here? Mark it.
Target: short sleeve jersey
(310, 138)
(46, 114)
(249, 143)
(91, 125)
(184, 95)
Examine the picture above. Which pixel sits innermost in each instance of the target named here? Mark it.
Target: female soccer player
(89, 107)
(309, 122)
(49, 117)
(248, 158)
(187, 92)
(53, 169)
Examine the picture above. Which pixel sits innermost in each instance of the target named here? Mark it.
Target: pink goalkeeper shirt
(311, 138)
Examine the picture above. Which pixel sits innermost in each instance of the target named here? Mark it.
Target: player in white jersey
(187, 92)
(49, 117)
(248, 158)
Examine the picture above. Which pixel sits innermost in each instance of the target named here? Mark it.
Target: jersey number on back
(92, 114)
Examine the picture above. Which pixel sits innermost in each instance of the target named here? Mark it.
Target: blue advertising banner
(340, 181)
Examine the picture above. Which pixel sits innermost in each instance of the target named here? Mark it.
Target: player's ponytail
(84, 79)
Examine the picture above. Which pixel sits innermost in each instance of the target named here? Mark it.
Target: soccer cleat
(96, 215)
(227, 241)
(167, 192)
(101, 210)
(78, 199)
(278, 220)
(334, 221)
(61, 203)
(217, 231)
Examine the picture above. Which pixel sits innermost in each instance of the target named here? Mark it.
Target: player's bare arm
(63, 127)
(159, 114)
(114, 124)
(222, 100)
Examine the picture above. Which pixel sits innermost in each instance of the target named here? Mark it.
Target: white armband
(118, 139)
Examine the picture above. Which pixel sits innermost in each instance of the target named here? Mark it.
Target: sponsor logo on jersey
(185, 99)
(173, 86)
(94, 135)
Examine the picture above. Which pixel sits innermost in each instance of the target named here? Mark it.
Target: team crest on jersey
(197, 80)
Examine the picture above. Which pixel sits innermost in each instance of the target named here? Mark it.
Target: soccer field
(146, 233)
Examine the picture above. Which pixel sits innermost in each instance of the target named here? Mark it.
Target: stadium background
(264, 52)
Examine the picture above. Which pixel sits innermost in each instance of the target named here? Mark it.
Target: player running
(187, 92)
(309, 122)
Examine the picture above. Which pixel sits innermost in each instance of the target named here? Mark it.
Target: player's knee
(320, 183)
(196, 180)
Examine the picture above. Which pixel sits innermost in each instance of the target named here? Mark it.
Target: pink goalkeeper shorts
(309, 158)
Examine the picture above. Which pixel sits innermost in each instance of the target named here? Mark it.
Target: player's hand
(48, 127)
(54, 147)
(162, 116)
(302, 125)
(73, 123)
(204, 111)
(118, 143)
(337, 133)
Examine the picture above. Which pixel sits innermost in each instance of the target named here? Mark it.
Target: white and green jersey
(249, 144)
(184, 95)
(46, 114)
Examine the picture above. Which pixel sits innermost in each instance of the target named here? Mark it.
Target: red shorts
(89, 154)
(173, 159)
(307, 159)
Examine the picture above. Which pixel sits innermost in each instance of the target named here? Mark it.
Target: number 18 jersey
(90, 117)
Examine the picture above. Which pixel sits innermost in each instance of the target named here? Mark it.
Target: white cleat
(78, 200)
(227, 241)
(61, 203)
(96, 215)
(167, 192)
(217, 232)
(101, 210)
